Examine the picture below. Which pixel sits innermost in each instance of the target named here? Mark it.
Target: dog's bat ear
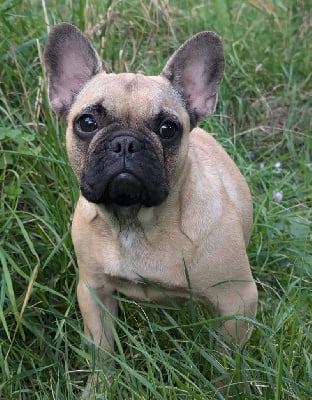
(71, 61)
(195, 70)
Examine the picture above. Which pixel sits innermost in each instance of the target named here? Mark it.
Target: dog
(159, 196)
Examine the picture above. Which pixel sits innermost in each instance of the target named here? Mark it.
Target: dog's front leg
(237, 299)
(97, 310)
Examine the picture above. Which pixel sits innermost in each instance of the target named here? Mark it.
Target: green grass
(263, 117)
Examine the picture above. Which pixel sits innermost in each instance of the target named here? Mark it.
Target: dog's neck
(130, 224)
(135, 217)
(125, 217)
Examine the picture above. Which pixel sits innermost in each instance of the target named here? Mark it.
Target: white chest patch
(129, 240)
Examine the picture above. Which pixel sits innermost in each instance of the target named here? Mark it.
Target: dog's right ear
(71, 61)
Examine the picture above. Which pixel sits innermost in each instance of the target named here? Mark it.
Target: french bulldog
(159, 196)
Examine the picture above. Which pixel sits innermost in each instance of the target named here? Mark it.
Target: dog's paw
(98, 386)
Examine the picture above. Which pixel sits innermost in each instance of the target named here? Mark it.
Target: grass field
(263, 120)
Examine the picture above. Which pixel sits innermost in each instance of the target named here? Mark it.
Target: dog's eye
(168, 130)
(87, 124)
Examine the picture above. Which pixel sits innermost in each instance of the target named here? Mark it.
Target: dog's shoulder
(206, 151)
(206, 146)
(220, 178)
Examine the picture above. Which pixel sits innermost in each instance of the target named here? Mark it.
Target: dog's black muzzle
(124, 168)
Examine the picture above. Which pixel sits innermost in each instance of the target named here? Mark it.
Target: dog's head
(127, 134)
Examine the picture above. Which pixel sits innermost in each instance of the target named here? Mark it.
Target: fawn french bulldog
(158, 194)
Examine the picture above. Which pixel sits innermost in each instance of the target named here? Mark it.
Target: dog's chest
(146, 254)
(145, 271)
(139, 259)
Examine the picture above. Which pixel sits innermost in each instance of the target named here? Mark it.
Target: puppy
(159, 196)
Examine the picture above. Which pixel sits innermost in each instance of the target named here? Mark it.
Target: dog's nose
(123, 145)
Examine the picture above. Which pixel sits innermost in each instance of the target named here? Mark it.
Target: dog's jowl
(158, 195)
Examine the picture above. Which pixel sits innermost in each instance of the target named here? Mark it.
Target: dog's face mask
(131, 132)
(127, 134)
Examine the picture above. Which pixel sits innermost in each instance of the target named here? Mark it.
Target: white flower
(278, 167)
(278, 164)
(278, 196)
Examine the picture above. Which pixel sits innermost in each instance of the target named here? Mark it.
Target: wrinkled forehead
(131, 95)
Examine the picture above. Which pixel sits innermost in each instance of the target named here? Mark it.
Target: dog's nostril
(117, 147)
(134, 146)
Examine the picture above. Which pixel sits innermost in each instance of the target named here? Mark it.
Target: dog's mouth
(125, 170)
(125, 189)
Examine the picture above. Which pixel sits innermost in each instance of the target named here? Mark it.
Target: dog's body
(161, 200)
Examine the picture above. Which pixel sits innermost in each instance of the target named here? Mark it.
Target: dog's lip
(124, 173)
(124, 176)
(125, 188)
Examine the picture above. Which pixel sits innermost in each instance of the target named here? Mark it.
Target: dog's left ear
(195, 70)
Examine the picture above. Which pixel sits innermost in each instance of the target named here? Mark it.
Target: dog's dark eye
(86, 124)
(168, 130)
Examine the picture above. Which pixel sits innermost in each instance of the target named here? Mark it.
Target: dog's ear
(195, 70)
(71, 61)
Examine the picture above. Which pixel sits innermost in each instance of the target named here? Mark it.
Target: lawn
(263, 120)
